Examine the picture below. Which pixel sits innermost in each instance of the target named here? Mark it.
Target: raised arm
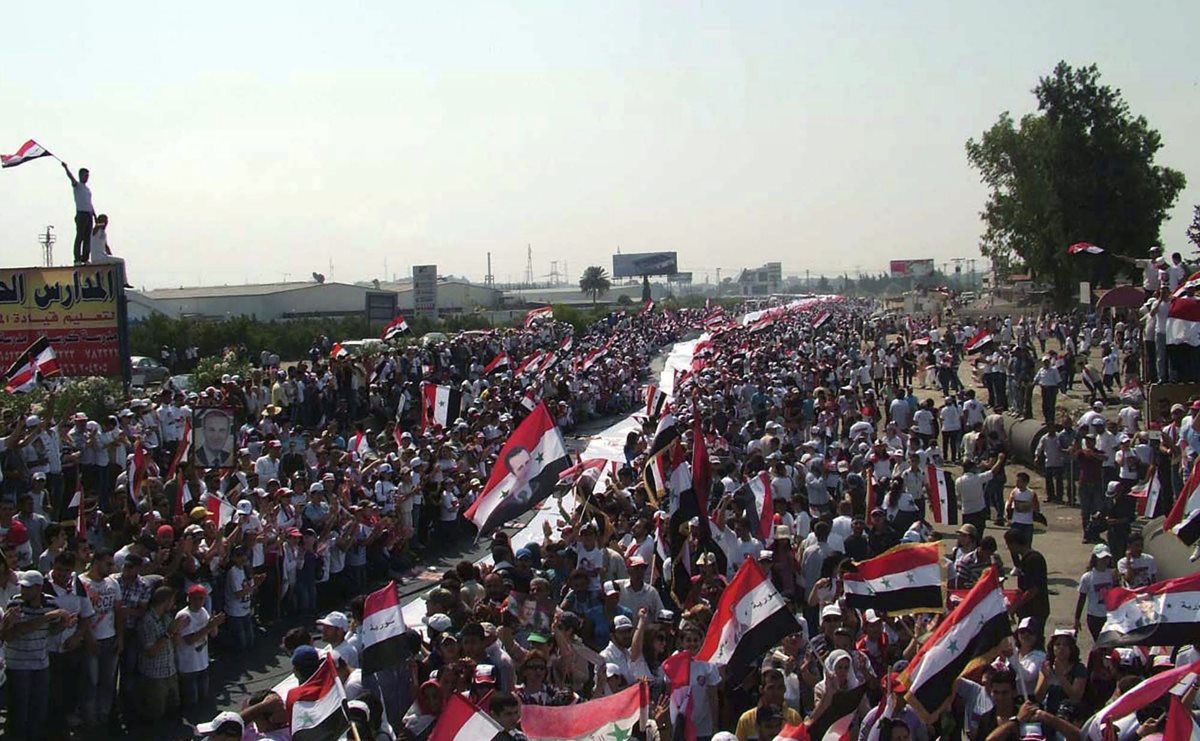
(67, 170)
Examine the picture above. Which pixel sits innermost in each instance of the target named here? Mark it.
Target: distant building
(572, 296)
(761, 281)
(454, 296)
(261, 301)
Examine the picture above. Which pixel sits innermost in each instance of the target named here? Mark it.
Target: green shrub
(95, 396)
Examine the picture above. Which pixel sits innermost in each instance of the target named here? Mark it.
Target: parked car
(147, 371)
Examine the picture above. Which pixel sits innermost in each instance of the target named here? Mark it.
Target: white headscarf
(831, 662)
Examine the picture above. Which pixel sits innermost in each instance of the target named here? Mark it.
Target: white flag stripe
(1158, 609)
(758, 604)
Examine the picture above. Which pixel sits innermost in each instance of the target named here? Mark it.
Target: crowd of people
(342, 480)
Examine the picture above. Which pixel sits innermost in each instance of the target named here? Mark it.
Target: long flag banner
(613, 716)
(751, 617)
(656, 399)
(80, 508)
(440, 406)
(942, 498)
(38, 362)
(1147, 494)
(315, 707)
(582, 467)
(1183, 321)
(382, 630)
(979, 342)
(835, 723)
(968, 637)
(1085, 248)
(1166, 613)
(30, 150)
(678, 672)
(1139, 696)
(462, 721)
(525, 473)
(905, 579)
(762, 501)
(499, 363)
(537, 315)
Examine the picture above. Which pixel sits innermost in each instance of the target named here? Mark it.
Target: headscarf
(831, 662)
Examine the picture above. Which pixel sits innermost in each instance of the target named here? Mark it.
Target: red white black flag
(968, 637)
(1180, 520)
(763, 500)
(462, 721)
(440, 405)
(500, 362)
(980, 342)
(751, 617)
(30, 150)
(1139, 696)
(656, 400)
(383, 630)
(1085, 248)
(394, 329)
(38, 362)
(904, 579)
(315, 707)
(525, 473)
(1162, 614)
(539, 314)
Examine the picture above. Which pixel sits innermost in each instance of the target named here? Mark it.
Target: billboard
(911, 268)
(80, 310)
(425, 291)
(637, 264)
(381, 307)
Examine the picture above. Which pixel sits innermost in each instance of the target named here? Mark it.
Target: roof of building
(249, 289)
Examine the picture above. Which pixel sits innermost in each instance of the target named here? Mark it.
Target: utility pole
(47, 240)
(554, 273)
(489, 279)
(529, 265)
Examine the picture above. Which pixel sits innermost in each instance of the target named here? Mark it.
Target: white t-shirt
(1022, 500)
(1142, 571)
(1094, 585)
(236, 606)
(105, 595)
(191, 658)
(969, 488)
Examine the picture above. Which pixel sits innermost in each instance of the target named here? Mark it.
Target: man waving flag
(525, 473)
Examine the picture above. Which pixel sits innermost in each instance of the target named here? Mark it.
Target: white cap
(336, 620)
(831, 610)
(245, 507)
(222, 719)
(622, 622)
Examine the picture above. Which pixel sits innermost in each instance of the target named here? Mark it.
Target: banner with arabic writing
(78, 309)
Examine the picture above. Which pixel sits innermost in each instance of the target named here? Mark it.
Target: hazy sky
(234, 142)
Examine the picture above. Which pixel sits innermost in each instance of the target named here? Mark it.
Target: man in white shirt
(84, 213)
(191, 645)
(1048, 380)
(636, 595)
(334, 627)
(969, 488)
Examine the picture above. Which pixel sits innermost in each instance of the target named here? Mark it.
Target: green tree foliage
(1080, 169)
(595, 281)
(1193, 232)
(95, 396)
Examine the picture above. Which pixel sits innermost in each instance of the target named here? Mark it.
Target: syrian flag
(1183, 321)
(764, 506)
(537, 315)
(30, 150)
(440, 406)
(1181, 722)
(567, 344)
(185, 447)
(1092, 380)
(462, 721)
(649, 307)
(1162, 614)
(530, 363)
(1142, 694)
(903, 579)
(751, 617)
(37, 362)
(525, 472)
(822, 319)
(382, 630)
(500, 362)
(315, 707)
(1081, 248)
(1187, 286)
(137, 471)
(657, 471)
(612, 716)
(764, 323)
(394, 329)
(942, 499)
(338, 352)
(981, 341)
(80, 508)
(967, 638)
(1147, 493)
(678, 672)
(582, 467)
(1189, 530)
(220, 511)
(834, 724)
(798, 732)
(701, 468)
(656, 401)
(1187, 502)
(590, 358)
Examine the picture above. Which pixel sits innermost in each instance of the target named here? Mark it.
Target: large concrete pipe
(1170, 554)
(1023, 436)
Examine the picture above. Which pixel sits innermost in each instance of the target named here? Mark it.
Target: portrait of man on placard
(213, 446)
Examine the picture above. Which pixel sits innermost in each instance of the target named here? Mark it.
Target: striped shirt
(29, 651)
(160, 664)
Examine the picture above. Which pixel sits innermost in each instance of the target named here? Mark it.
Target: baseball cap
(245, 507)
(31, 579)
(1028, 623)
(224, 723)
(831, 610)
(439, 622)
(306, 656)
(622, 622)
(610, 588)
(335, 620)
(1101, 551)
(967, 529)
(197, 589)
(485, 674)
(635, 561)
(870, 616)
(199, 513)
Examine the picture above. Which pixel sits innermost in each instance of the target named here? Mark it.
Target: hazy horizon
(245, 143)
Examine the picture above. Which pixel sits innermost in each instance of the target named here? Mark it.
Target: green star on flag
(618, 734)
(885, 582)
(952, 645)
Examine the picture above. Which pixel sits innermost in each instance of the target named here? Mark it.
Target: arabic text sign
(77, 309)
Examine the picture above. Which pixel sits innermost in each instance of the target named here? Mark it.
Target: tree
(595, 281)
(1193, 232)
(1081, 169)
